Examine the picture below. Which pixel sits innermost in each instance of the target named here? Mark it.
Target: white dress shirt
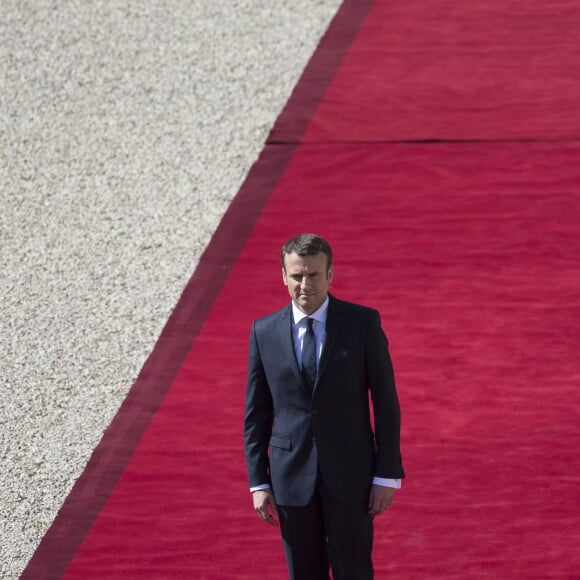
(299, 328)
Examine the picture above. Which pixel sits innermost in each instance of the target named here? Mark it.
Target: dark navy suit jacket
(291, 430)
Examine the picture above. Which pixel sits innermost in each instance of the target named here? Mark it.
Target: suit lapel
(332, 327)
(285, 331)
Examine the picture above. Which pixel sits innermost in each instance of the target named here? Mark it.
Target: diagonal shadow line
(434, 141)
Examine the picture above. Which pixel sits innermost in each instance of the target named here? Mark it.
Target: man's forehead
(309, 262)
(303, 267)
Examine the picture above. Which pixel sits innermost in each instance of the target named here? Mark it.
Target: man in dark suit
(312, 456)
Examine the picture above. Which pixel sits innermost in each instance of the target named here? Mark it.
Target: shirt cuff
(383, 482)
(259, 487)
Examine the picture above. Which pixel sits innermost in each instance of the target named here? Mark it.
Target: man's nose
(304, 283)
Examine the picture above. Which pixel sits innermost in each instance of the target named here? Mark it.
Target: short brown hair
(307, 245)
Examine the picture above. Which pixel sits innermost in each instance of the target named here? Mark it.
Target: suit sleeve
(387, 414)
(258, 417)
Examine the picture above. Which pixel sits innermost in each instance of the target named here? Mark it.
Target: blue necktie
(309, 354)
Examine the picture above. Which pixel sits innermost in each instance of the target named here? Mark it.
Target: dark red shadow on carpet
(469, 251)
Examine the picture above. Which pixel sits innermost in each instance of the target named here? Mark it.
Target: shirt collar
(319, 315)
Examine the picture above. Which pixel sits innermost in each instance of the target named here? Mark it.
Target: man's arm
(257, 417)
(387, 415)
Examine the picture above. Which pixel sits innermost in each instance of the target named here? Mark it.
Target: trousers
(326, 534)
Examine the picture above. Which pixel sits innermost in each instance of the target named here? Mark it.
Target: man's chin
(307, 304)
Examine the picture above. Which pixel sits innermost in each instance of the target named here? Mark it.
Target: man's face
(307, 279)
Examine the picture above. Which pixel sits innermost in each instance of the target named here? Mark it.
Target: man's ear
(284, 277)
(330, 274)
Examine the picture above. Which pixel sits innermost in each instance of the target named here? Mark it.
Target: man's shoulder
(336, 305)
(268, 319)
(352, 308)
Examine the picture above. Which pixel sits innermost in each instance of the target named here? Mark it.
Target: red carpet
(469, 250)
(450, 69)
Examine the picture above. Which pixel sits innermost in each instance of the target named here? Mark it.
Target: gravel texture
(126, 128)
